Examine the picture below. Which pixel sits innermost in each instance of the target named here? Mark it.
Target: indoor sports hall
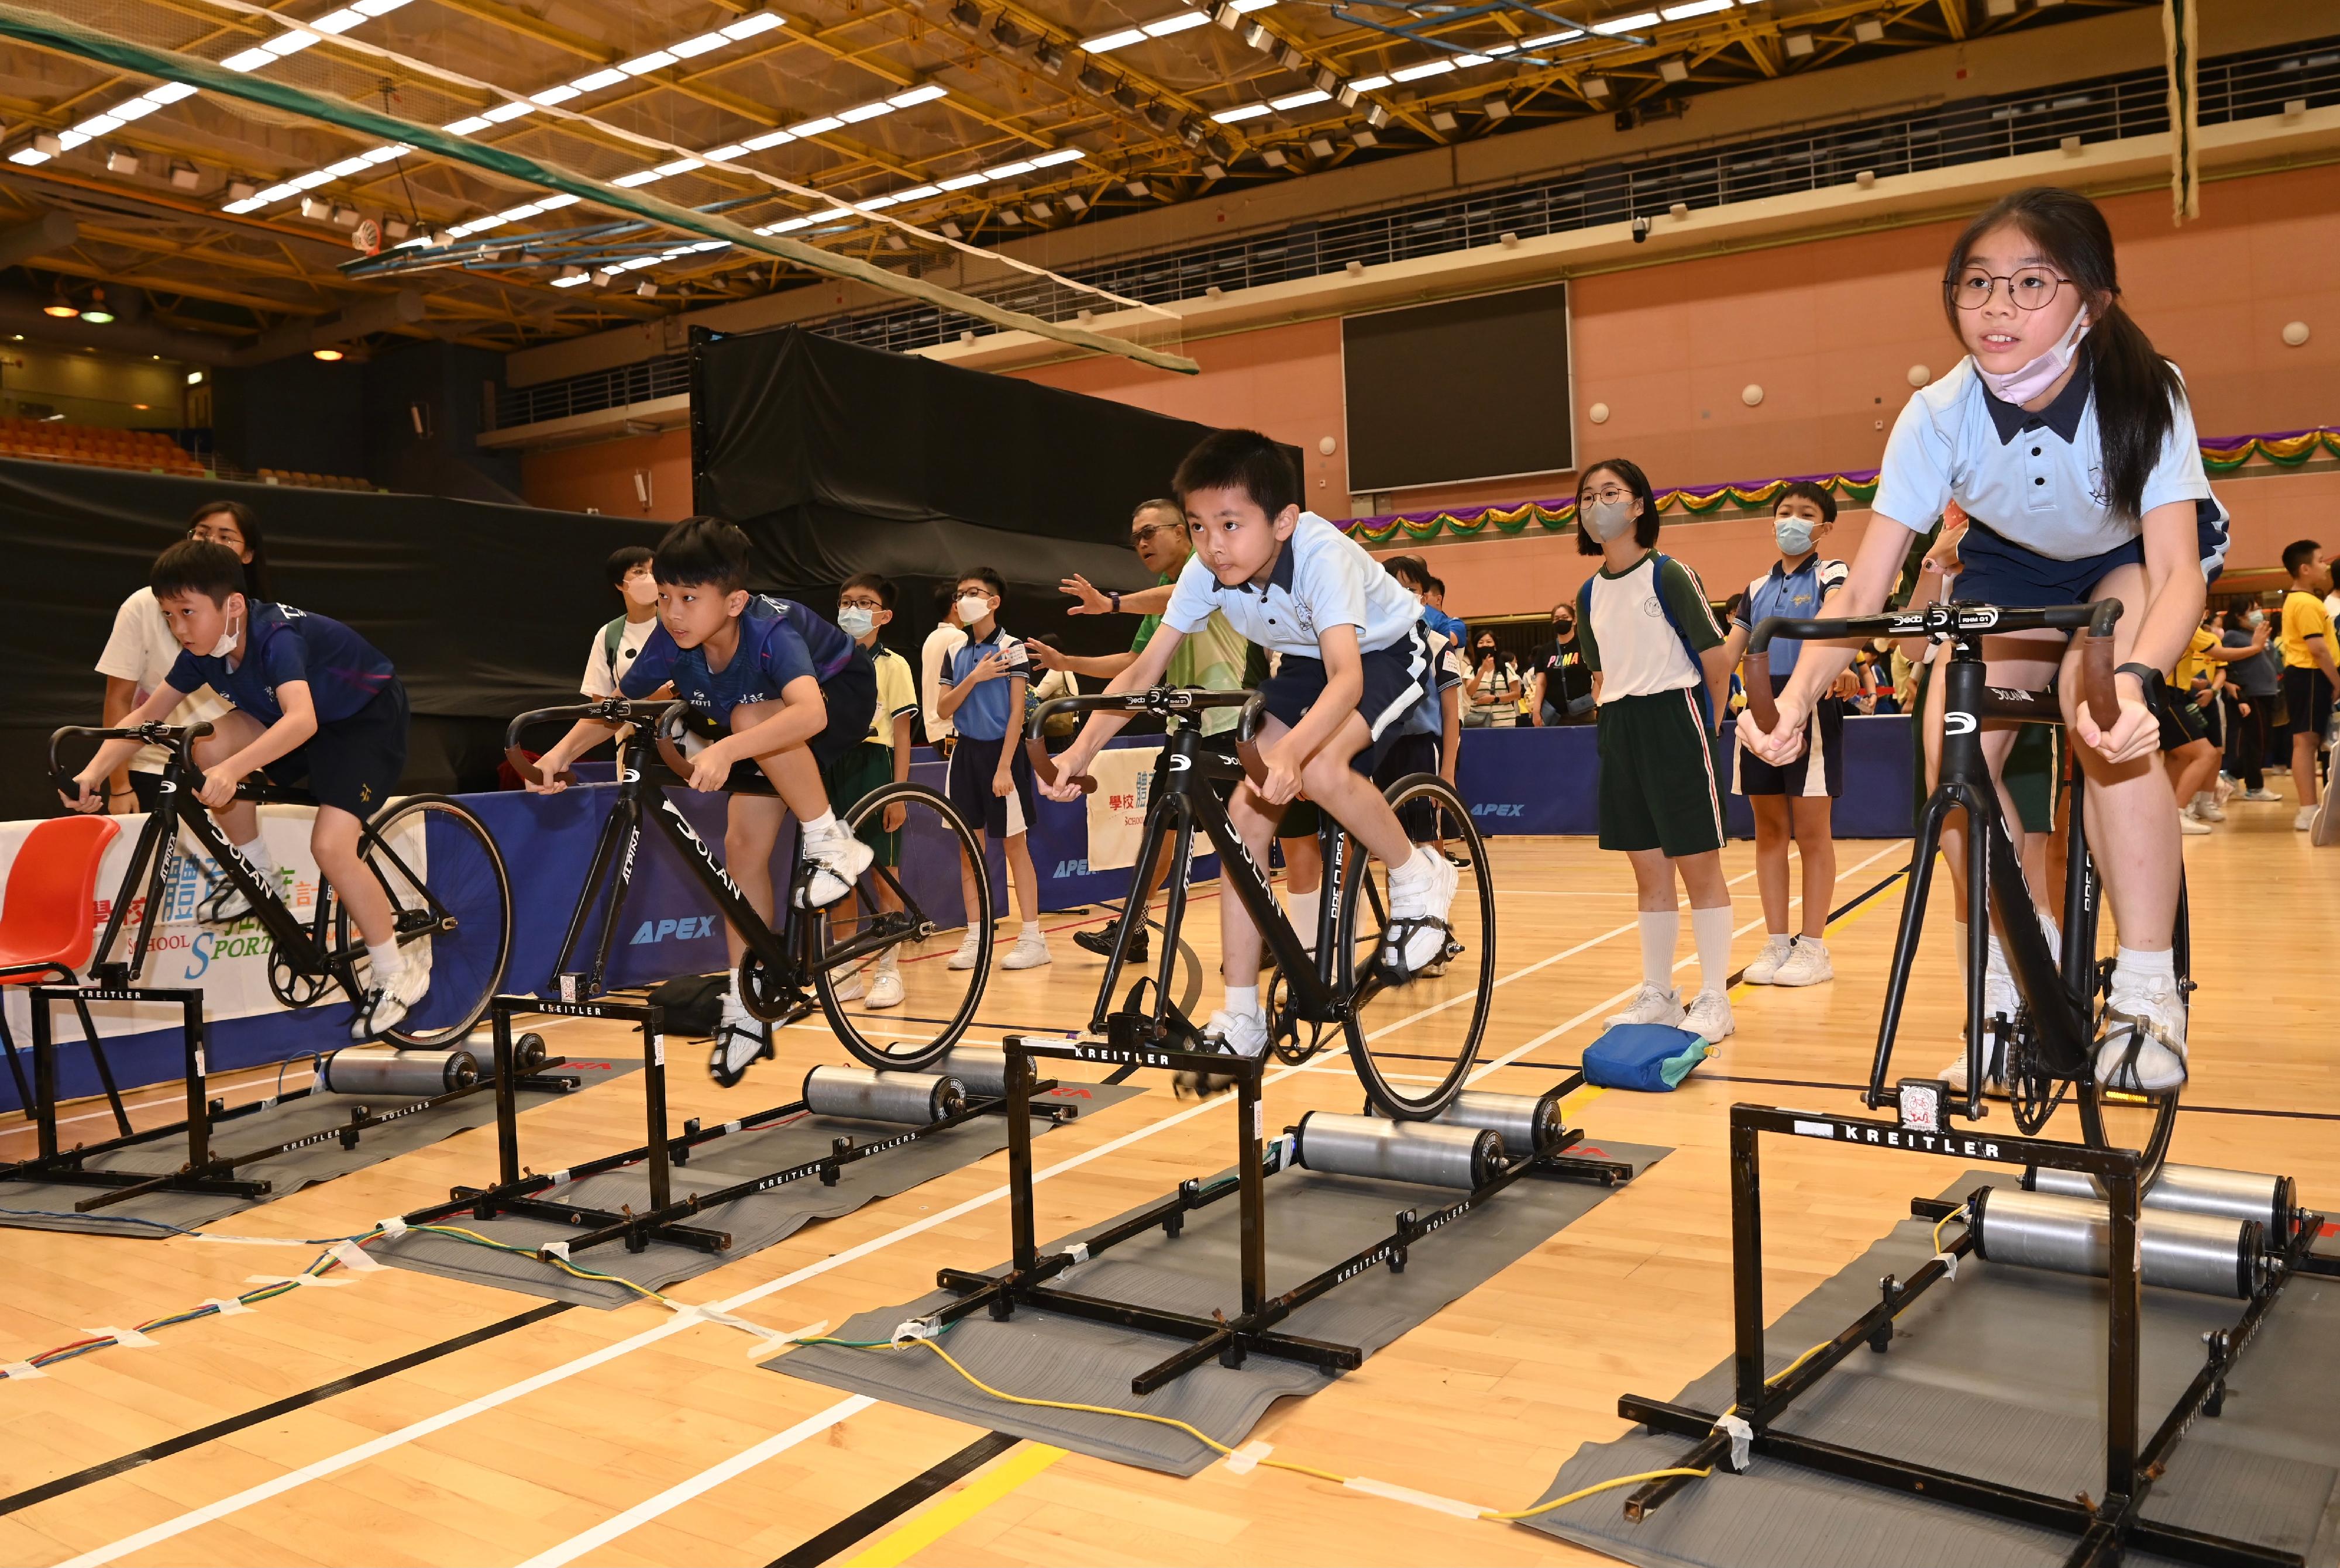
(1169, 782)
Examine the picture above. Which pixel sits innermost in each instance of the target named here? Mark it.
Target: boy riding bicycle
(1355, 662)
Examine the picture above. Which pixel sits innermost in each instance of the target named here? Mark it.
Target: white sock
(1779, 936)
(1243, 1000)
(1032, 932)
(2134, 964)
(1302, 906)
(386, 959)
(822, 826)
(1710, 930)
(256, 851)
(1661, 929)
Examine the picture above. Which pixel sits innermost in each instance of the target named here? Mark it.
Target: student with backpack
(620, 642)
(1650, 638)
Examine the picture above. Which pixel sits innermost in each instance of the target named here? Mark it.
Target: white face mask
(1794, 534)
(2027, 383)
(226, 644)
(1605, 520)
(641, 589)
(973, 607)
(856, 621)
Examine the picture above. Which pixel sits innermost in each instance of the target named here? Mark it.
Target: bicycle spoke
(884, 955)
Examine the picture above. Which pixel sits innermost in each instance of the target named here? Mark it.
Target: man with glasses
(1215, 658)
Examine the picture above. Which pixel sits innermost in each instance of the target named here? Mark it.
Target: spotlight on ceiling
(1093, 80)
(95, 312)
(965, 17)
(122, 161)
(1049, 58)
(328, 355)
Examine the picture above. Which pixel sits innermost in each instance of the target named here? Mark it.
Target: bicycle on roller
(2050, 1049)
(450, 898)
(819, 957)
(1412, 1038)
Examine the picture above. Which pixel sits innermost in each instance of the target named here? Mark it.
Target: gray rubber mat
(1314, 1222)
(1998, 1372)
(754, 1223)
(47, 1206)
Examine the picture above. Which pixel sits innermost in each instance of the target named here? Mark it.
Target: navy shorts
(1995, 570)
(1819, 768)
(1396, 679)
(352, 763)
(974, 763)
(2307, 701)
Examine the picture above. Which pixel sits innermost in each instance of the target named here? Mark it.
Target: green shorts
(866, 767)
(1659, 785)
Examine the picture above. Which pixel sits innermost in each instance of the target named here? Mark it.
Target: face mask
(2021, 386)
(2254, 617)
(973, 607)
(226, 644)
(1562, 626)
(643, 589)
(1605, 520)
(1794, 534)
(1487, 649)
(856, 621)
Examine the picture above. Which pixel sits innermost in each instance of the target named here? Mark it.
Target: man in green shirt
(1215, 658)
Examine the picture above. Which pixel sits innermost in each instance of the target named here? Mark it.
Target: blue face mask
(1794, 534)
(856, 621)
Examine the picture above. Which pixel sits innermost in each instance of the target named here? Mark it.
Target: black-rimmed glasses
(2029, 288)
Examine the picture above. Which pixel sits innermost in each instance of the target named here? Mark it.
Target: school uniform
(1638, 630)
(2306, 689)
(780, 641)
(1420, 744)
(988, 722)
(354, 759)
(1818, 770)
(869, 765)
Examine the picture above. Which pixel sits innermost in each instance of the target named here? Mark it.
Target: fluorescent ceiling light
(348, 167)
(917, 193)
(691, 48)
(1248, 6)
(770, 139)
(1693, 8)
(68, 139)
(310, 181)
(98, 125)
(854, 117)
(466, 125)
(1103, 42)
(595, 80)
(1500, 48)
(1061, 155)
(384, 154)
(514, 214)
(1240, 112)
(1301, 100)
(1565, 35)
(1464, 61)
(572, 282)
(379, 7)
(1369, 84)
(249, 203)
(277, 192)
(642, 62)
(1009, 171)
(562, 200)
(1616, 25)
(831, 216)
(249, 60)
(819, 127)
(171, 92)
(918, 95)
(1178, 24)
(341, 20)
(878, 204)
(503, 112)
(724, 154)
(551, 95)
(136, 109)
(679, 166)
(289, 43)
(1427, 68)
(962, 181)
(748, 26)
(639, 177)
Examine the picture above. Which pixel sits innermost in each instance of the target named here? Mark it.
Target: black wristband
(2146, 674)
(1115, 594)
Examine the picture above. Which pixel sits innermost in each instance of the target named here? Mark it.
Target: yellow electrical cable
(1957, 1213)
(1583, 1492)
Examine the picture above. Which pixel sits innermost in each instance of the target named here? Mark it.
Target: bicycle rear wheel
(1413, 1045)
(888, 963)
(452, 902)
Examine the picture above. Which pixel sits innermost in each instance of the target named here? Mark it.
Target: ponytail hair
(2137, 390)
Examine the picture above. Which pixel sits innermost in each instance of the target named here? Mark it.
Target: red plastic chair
(45, 932)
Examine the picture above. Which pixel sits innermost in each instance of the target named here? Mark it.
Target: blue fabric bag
(1649, 1056)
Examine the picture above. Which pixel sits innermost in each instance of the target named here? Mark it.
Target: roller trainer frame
(1252, 1330)
(204, 1171)
(2103, 1528)
(520, 1191)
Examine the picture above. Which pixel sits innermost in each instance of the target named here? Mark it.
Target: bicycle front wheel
(450, 900)
(1414, 1044)
(897, 967)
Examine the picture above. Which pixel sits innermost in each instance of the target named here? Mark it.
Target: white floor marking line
(317, 1469)
(682, 1492)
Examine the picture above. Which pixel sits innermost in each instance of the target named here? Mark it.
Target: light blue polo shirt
(1797, 595)
(984, 713)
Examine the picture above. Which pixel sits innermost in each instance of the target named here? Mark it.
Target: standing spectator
(990, 777)
(1495, 685)
(1562, 685)
(141, 652)
(1431, 594)
(2257, 682)
(618, 643)
(934, 656)
(2309, 673)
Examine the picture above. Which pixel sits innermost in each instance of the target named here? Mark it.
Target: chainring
(290, 987)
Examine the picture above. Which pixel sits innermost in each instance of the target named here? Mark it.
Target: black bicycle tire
(2086, 1096)
(1378, 1091)
(840, 1022)
(447, 1036)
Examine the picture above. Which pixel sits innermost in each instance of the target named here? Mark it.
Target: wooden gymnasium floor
(630, 1437)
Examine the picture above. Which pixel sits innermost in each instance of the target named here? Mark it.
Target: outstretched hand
(1091, 602)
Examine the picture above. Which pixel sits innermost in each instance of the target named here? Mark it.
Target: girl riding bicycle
(2070, 446)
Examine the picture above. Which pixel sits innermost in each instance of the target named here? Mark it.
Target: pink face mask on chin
(2021, 385)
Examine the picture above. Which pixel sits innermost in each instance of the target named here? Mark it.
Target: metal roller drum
(2195, 1190)
(914, 1098)
(984, 1071)
(2201, 1253)
(1524, 1125)
(381, 1070)
(1427, 1153)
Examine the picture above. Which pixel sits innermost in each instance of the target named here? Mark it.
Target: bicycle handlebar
(610, 711)
(1161, 701)
(1937, 622)
(176, 737)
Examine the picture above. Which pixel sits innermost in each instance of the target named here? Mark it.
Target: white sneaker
(2303, 819)
(1709, 1017)
(1956, 1075)
(1808, 965)
(2260, 793)
(886, 985)
(1767, 964)
(2224, 790)
(968, 947)
(2190, 826)
(2145, 1016)
(850, 988)
(388, 1004)
(838, 858)
(1242, 1034)
(740, 1043)
(1651, 1004)
(1029, 952)
(1421, 892)
(2206, 808)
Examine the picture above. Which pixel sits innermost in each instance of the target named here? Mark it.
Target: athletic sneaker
(850, 988)
(1242, 1034)
(1030, 951)
(1100, 943)
(1956, 1075)
(838, 858)
(2144, 1016)
(2224, 790)
(2260, 793)
(1767, 964)
(2000, 1000)
(969, 947)
(2206, 808)
(388, 1004)
(886, 985)
(1420, 893)
(1709, 1017)
(2191, 825)
(1808, 965)
(2303, 819)
(224, 905)
(1651, 1004)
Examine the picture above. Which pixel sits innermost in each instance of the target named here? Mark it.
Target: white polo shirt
(2037, 479)
(1322, 577)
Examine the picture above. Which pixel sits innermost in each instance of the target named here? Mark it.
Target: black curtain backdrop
(486, 610)
(839, 460)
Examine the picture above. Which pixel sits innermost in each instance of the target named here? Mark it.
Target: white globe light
(2295, 333)
(1750, 395)
(1598, 413)
(1919, 374)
